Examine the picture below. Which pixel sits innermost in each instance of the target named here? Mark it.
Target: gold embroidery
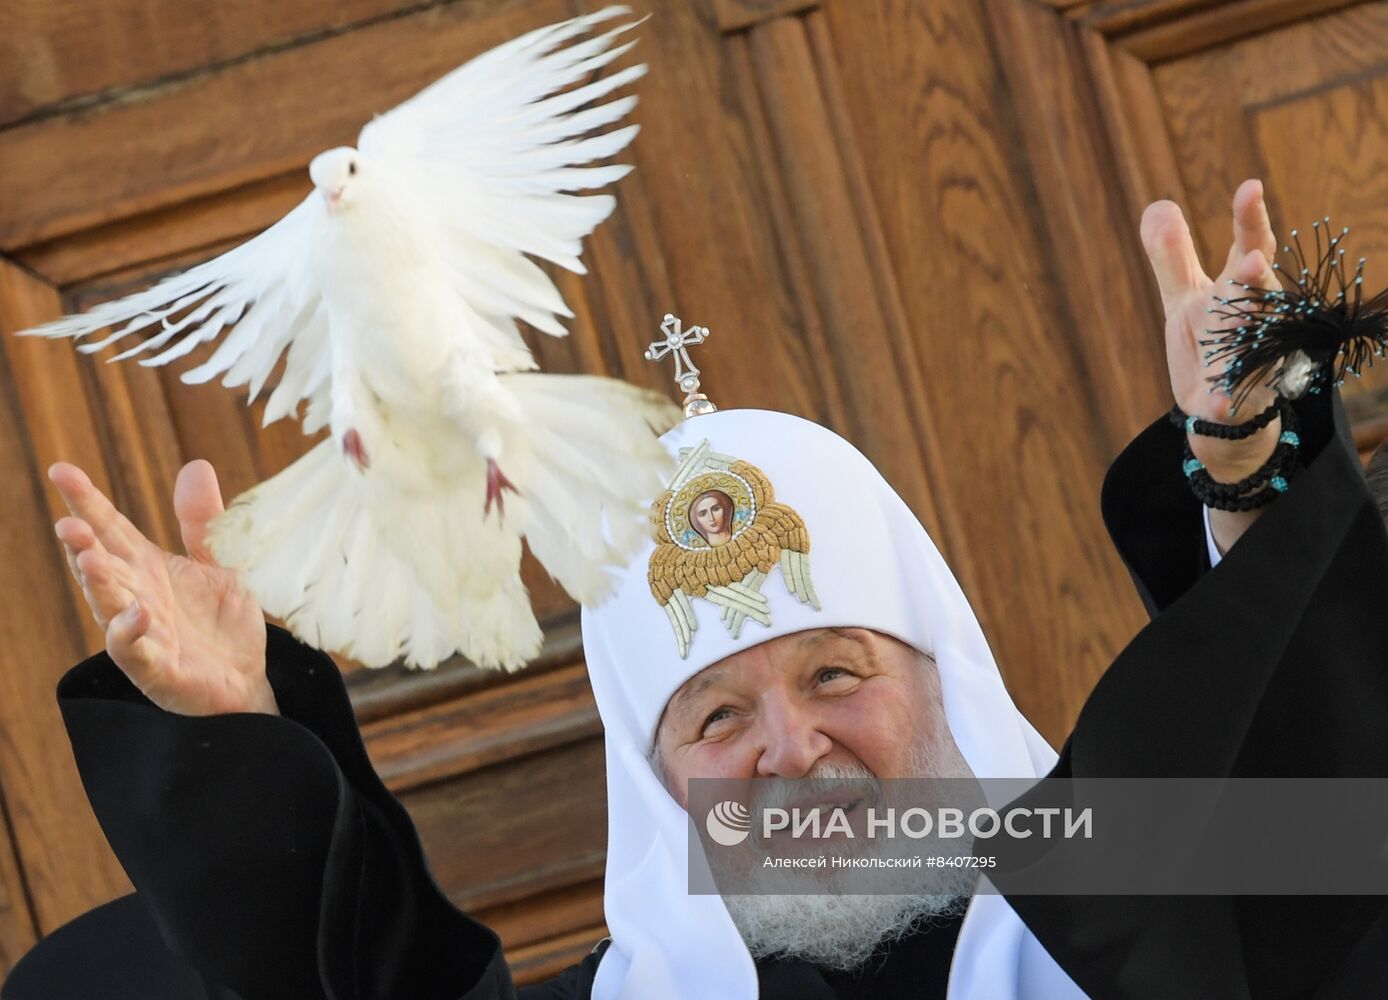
(719, 534)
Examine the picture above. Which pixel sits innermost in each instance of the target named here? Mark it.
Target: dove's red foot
(497, 484)
(355, 450)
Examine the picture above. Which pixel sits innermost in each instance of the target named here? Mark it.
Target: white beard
(841, 931)
(835, 932)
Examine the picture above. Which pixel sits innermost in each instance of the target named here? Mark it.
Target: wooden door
(911, 220)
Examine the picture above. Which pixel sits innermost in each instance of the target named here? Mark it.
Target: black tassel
(1304, 337)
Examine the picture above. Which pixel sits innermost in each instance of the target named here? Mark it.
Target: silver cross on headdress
(677, 341)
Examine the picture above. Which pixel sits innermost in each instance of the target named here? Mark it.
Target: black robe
(271, 862)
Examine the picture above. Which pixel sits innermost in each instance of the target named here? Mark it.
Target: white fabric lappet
(874, 566)
(391, 294)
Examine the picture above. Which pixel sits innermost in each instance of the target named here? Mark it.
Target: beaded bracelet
(1272, 473)
(1287, 443)
(1273, 477)
(1252, 501)
(1229, 432)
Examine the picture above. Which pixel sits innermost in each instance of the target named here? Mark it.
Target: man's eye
(718, 715)
(831, 673)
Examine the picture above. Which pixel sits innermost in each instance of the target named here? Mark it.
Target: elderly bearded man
(271, 862)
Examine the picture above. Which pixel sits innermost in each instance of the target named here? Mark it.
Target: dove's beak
(332, 197)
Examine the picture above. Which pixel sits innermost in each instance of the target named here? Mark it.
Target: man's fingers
(1252, 227)
(197, 500)
(75, 532)
(87, 502)
(107, 583)
(128, 644)
(72, 563)
(1253, 269)
(1171, 251)
(76, 536)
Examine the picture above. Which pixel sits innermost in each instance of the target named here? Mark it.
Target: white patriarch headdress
(875, 567)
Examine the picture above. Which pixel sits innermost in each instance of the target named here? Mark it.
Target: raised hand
(182, 628)
(1187, 295)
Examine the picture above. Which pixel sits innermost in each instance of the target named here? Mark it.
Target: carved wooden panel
(66, 865)
(1291, 92)
(734, 14)
(506, 790)
(61, 52)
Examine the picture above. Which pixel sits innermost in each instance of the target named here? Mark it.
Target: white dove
(395, 287)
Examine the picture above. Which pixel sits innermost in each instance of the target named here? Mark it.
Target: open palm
(1188, 294)
(181, 627)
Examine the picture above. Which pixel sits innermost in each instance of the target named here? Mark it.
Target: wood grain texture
(1162, 29)
(1124, 41)
(545, 933)
(17, 932)
(1002, 374)
(146, 243)
(396, 690)
(1327, 155)
(1116, 17)
(1106, 282)
(1313, 131)
(57, 51)
(67, 866)
(546, 916)
(518, 828)
(733, 15)
(690, 235)
(848, 281)
(1134, 123)
(1191, 110)
(545, 898)
(1227, 23)
(540, 961)
(528, 715)
(90, 167)
(52, 394)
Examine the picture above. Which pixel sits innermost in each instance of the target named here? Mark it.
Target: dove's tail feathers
(595, 463)
(378, 569)
(379, 575)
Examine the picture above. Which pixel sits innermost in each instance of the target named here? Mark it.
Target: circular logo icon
(729, 823)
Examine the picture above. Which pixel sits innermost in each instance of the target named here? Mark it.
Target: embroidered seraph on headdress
(719, 534)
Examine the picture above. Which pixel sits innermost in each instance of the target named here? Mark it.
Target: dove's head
(337, 175)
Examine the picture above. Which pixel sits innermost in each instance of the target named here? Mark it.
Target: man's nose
(791, 741)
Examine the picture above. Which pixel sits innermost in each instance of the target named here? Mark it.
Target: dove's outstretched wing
(262, 286)
(495, 146)
(499, 145)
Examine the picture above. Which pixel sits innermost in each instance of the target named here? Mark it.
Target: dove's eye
(352, 168)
